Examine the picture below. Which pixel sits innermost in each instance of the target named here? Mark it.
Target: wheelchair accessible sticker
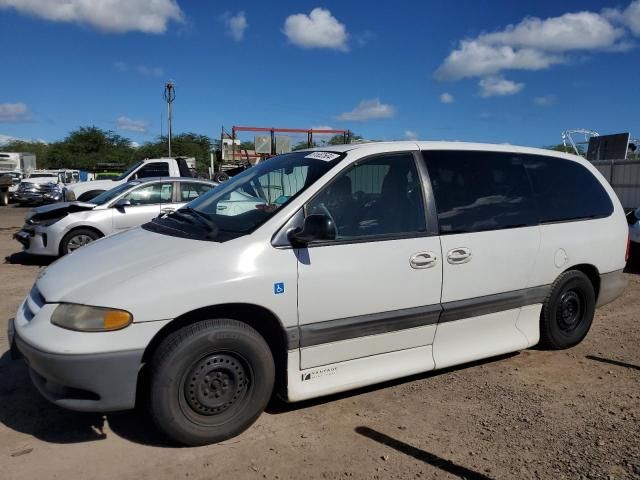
(278, 288)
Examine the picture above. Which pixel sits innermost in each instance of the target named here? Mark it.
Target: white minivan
(345, 266)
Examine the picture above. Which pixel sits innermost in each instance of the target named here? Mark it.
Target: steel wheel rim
(214, 387)
(570, 310)
(78, 241)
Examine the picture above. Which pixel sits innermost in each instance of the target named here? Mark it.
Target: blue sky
(495, 71)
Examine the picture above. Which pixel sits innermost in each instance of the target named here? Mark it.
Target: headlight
(68, 195)
(90, 319)
(44, 222)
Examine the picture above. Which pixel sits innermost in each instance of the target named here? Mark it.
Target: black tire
(567, 312)
(210, 381)
(77, 238)
(220, 177)
(90, 195)
(4, 198)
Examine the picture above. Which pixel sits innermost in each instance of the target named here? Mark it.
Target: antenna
(169, 96)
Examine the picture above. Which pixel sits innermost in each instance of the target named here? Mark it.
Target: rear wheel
(210, 381)
(77, 238)
(567, 312)
(220, 177)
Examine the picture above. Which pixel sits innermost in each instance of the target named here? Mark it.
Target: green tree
(85, 147)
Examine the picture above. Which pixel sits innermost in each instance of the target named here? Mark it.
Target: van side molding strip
(364, 325)
(498, 302)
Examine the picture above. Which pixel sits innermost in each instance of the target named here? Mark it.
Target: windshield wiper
(181, 216)
(204, 219)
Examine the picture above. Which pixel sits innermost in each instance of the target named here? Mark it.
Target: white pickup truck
(151, 167)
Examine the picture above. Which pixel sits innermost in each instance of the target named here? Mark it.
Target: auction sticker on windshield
(326, 156)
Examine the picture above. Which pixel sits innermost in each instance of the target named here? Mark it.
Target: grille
(37, 187)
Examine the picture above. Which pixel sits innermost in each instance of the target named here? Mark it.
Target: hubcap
(570, 310)
(78, 241)
(215, 384)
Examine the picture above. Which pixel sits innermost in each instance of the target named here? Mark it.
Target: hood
(41, 180)
(82, 276)
(54, 210)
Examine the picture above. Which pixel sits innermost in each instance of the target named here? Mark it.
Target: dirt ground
(534, 414)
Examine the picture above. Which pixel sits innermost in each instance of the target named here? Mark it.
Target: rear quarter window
(566, 190)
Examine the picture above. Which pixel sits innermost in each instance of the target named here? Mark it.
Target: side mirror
(315, 227)
(123, 202)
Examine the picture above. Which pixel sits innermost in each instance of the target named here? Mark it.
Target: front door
(146, 203)
(376, 288)
(490, 239)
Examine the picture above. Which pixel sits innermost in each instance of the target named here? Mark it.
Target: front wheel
(210, 381)
(567, 312)
(77, 238)
(4, 198)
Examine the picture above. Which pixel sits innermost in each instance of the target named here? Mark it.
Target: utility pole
(169, 97)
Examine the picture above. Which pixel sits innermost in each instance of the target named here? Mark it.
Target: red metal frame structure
(273, 131)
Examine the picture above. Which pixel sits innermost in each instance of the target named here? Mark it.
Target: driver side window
(380, 196)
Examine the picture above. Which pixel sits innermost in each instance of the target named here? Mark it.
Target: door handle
(459, 255)
(423, 260)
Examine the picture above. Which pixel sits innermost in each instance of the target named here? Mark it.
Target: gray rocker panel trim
(498, 302)
(364, 325)
(329, 331)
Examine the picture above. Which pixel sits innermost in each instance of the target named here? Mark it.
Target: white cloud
(141, 69)
(319, 29)
(150, 71)
(532, 44)
(13, 112)
(446, 98)
(544, 100)
(497, 86)
(410, 135)
(235, 25)
(571, 31)
(475, 59)
(126, 123)
(368, 110)
(629, 17)
(4, 139)
(116, 16)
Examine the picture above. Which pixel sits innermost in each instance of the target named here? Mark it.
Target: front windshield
(128, 171)
(106, 197)
(42, 175)
(242, 204)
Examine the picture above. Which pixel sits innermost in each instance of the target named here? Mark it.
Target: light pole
(169, 97)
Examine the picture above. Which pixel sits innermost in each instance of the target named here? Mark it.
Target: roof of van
(443, 145)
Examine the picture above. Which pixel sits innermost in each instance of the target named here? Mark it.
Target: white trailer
(17, 161)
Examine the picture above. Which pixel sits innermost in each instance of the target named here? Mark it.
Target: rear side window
(477, 191)
(190, 191)
(566, 190)
(155, 169)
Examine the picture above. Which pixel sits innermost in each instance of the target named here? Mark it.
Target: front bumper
(38, 240)
(104, 382)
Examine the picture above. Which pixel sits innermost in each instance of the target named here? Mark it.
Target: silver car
(61, 228)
